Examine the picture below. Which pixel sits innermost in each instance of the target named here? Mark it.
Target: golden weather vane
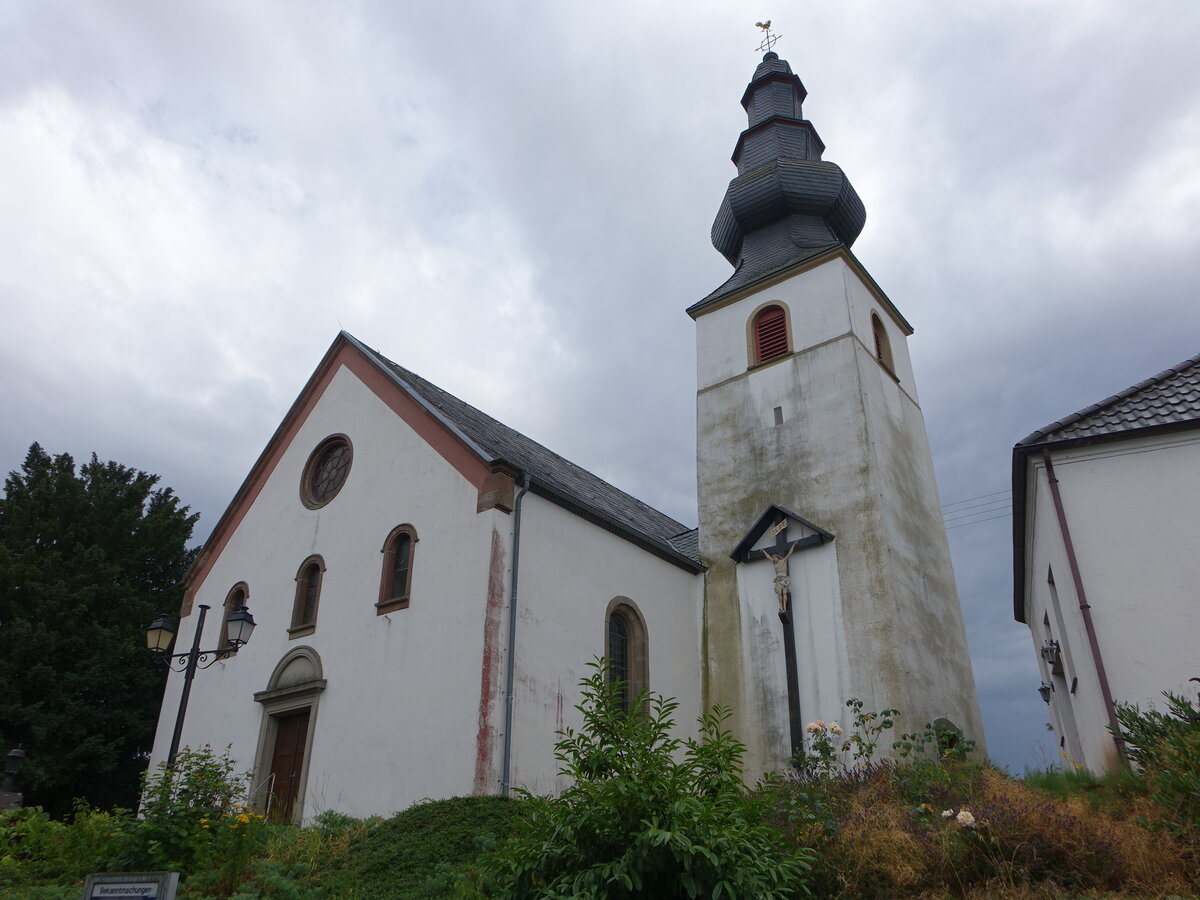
(769, 39)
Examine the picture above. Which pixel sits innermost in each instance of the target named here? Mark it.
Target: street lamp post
(239, 625)
(10, 797)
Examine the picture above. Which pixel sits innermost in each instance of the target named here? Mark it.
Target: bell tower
(829, 572)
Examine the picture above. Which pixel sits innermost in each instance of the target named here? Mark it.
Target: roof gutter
(511, 663)
(1084, 607)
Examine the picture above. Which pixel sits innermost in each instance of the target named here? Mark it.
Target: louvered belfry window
(770, 334)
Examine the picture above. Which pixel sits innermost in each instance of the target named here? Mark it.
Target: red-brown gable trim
(342, 353)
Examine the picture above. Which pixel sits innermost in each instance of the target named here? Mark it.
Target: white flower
(815, 726)
(835, 728)
(947, 813)
(965, 819)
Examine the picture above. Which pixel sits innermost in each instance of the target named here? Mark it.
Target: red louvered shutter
(770, 334)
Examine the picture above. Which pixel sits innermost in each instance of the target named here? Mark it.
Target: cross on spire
(769, 39)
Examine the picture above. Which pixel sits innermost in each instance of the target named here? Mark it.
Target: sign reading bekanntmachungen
(131, 886)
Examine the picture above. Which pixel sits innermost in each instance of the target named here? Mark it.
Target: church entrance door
(287, 762)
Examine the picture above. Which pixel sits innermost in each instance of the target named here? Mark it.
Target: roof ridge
(1042, 433)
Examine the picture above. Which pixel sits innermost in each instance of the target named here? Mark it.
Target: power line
(973, 499)
(974, 513)
(979, 521)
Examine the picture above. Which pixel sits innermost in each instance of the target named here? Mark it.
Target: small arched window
(883, 347)
(238, 596)
(770, 334)
(308, 597)
(395, 585)
(626, 651)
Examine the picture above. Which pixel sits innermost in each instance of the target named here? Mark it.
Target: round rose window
(326, 471)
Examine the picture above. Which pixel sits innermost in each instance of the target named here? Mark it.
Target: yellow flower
(243, 818)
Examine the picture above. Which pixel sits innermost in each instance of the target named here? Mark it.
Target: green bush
(1166, 747)
(192, 813)
(639, 821)
(37, 850)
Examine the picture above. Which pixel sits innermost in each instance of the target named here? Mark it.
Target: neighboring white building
(430, 585)
(1105, 559)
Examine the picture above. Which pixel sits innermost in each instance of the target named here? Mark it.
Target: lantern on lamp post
(159, 634)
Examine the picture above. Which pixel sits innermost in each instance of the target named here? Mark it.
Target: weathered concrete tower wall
(828, 427)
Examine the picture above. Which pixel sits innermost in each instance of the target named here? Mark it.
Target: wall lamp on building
(1052, 654)
(159, 635)
(1045, 690)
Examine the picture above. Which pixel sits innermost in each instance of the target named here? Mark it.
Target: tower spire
(786, 203)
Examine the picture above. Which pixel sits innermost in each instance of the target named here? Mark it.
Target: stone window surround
(752, 334)
(639, 649)
(389, 600)
(306, 495)
(299, 628)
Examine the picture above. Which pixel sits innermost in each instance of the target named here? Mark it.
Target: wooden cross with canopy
(775, 521)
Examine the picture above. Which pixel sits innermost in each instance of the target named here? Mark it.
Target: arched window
(883, 347)
(625, 649)
(395, 585)
(238, 596)
(769, 334)
(308, 597)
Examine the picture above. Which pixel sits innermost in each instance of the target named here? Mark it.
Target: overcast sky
(514, 200)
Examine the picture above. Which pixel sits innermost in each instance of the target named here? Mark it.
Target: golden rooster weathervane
(769, 39)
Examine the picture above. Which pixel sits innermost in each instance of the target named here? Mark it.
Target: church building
(430, 585)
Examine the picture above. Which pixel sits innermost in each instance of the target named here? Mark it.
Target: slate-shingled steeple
(786, 203)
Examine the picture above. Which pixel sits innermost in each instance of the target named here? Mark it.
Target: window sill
(301, 631)
(887, 369)
(388, 606)
(770, 362)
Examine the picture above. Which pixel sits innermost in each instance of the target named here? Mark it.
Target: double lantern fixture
(238, 628)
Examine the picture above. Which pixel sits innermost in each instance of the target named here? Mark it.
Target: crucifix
(779, 553)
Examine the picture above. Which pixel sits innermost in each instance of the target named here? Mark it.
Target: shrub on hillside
(1166, 747)
(893, 829)
(638, 821)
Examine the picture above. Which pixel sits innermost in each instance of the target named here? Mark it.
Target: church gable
(493, 481)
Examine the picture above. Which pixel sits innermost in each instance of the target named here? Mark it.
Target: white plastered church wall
(570, 570)
(852, 456)
(397, 684)
(1131, 510)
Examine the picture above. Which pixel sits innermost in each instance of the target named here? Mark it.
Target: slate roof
(553, 476)
(760, 261)
(1169, 398)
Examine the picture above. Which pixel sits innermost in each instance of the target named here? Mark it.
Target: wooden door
(287, 762)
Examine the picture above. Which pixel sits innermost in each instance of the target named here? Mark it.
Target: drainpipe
(511, 663)
(1085, 608)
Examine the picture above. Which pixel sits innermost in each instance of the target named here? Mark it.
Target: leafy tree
(642, 818)
(86, 560)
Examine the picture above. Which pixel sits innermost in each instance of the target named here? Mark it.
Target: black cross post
(782, 548)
